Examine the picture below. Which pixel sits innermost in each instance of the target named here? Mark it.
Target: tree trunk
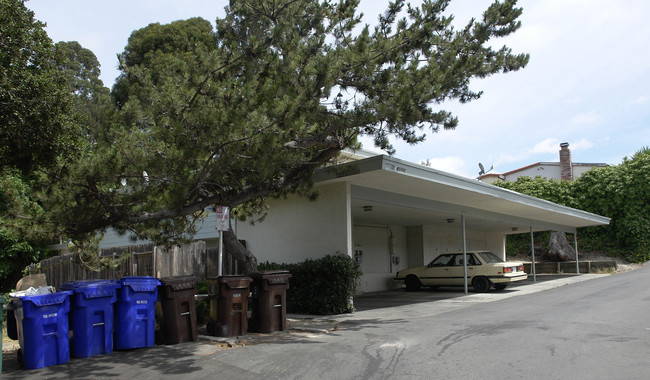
(239, 251)
(559, 248)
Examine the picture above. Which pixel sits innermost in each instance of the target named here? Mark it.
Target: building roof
(502, 175)
(403, 192)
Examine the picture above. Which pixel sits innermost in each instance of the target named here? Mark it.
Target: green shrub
(202, 306)
(322, 286)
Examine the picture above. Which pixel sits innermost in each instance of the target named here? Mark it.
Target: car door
(457, 270)
(437, 272)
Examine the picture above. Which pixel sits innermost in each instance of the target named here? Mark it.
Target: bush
(202, 306)
(323, 286)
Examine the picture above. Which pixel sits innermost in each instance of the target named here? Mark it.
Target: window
(442, 261)
(490, 257)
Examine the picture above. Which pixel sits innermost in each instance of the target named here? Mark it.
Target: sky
(587, 83)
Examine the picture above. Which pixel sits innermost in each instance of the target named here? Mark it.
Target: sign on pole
(223, 224)
(223, 217)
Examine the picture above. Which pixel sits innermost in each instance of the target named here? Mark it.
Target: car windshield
(442, 260)
(490, 257)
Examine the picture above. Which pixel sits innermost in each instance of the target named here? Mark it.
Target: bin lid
(92, 288)
(179, 282)
(273, 277)
(140, 283)
(235, 282)
(45, 299)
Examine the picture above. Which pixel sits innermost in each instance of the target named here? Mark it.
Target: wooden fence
(143, 260)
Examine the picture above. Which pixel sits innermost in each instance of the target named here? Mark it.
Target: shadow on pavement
(401, 297)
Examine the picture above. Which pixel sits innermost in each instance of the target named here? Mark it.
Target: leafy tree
(622, 193)
(92, 107)
(48, 92)
(35, 124)
(556, 191)
(16, 209)
(248, 111)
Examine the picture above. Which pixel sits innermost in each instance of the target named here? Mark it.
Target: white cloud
(549, 145)
(508, 158)
(586, 118)
(450, 164)
(574, 100)
(582, 144)
(640, 100)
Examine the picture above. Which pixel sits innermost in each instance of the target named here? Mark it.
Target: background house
(565, 169)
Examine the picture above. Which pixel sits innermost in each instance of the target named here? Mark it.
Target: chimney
(566, 167)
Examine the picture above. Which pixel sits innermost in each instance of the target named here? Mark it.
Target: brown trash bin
(178, 309)
(228, 305)
(269, 291)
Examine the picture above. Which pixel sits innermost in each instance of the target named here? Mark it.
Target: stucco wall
(297, 228)
(430, 241)
(381, 251)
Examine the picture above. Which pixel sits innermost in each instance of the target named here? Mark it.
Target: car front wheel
(481, 284)
(412, 283)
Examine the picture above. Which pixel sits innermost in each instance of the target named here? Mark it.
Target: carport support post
(462, 218)
(575, 244)
(532, 251)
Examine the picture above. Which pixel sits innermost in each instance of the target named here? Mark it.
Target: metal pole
(462, 218)
(532, 250)
(220, 260)
(575, 244)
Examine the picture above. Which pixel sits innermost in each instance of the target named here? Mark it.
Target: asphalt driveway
(189, 360)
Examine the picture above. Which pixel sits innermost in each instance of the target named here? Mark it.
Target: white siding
(543, 170)
(297, 228)
(377, 247)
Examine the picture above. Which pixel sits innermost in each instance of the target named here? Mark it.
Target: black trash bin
(228, 305)
(269, 305)
(12, 329)
(178, 309)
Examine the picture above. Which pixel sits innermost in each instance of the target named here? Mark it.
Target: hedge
(322, 286)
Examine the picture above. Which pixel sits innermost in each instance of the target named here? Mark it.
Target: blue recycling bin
(135, 312)
(91, 316)
(42, 324)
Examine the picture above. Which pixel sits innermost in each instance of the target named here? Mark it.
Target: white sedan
(484, 269)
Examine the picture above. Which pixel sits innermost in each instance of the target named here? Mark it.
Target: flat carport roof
(404, 193)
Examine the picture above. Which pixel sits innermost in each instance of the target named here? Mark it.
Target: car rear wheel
(412, 283)
(481, 284)
(500, 286)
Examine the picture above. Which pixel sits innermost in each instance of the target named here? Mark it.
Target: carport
(386, 191)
